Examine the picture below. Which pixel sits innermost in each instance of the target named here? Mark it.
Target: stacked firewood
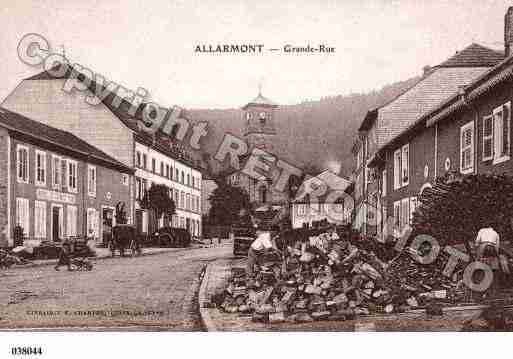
(456, 207)
(334, 279)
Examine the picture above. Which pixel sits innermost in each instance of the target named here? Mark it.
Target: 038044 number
(26, 351)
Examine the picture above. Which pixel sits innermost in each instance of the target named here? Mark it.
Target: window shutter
(384, 183)
(397, 169)
(506, 115)
(64, 174)
(405, 178)
(405, 212)
(487, 138)
(397, 213)
(467, 148)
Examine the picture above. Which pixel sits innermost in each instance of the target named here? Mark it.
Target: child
(64, 256)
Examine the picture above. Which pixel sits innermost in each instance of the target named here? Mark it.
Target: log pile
(456, 207)
(325, 278)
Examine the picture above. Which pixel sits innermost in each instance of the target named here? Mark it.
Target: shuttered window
(405, 168)
(91, 180)
(413, 207)
(397, 169)
(467, 148)
(397, 213)
(40, 168)
(384, 183)
(501, 132)
(56, 172)
(405, 212)
(22, 163)
(487, 138)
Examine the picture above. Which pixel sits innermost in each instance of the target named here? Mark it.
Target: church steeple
(259, 129)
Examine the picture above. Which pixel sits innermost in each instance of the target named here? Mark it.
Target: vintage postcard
(302, 166)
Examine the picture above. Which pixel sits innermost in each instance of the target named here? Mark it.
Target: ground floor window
(145, 221)
(403, 211)
(40, 220)
(57, 221)
(72, 216)
(23, 215)
(93, 219)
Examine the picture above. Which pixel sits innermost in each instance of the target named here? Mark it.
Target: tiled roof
(477, 88)
(15, 122)
(474, 55)
(437, 86)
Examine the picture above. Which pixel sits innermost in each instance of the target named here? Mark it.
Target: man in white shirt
(487, 242)
(261, 245)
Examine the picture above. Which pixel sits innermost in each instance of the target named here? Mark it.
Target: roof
(369, 119)
(438, 84)
(474, 55)
(324, 183)
(260, 101)
(109, 97)
(481, 85)
(67, 141)
(122, 112)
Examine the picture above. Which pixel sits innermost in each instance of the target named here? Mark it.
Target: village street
(156, 292)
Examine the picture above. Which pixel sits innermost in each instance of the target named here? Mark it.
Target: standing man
(487, 243)
(263, 244)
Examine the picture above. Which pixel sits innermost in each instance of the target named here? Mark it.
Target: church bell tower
(259, 130)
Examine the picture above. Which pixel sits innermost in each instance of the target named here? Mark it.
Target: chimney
(425, 70)
(508, 32)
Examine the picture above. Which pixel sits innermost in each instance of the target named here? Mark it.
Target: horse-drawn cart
(124, 237)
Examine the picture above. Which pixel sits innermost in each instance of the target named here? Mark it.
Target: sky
(151, 44)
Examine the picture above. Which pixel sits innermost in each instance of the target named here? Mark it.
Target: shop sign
(53, 196)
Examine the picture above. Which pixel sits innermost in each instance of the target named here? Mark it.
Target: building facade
(184, 181)
(54, 185)
(469, 132)
(391, 189)
(325, 197)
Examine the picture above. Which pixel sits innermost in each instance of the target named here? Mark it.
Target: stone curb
(206, 319)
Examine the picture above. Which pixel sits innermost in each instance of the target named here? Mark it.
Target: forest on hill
(314, 135)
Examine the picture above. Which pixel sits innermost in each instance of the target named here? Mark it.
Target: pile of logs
(456, 207)
(334, 279)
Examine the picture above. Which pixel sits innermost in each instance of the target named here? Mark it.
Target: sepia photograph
(238, 166)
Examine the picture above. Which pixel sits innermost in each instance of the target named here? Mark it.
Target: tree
(158, 200)
(121, 217)
(227, 202)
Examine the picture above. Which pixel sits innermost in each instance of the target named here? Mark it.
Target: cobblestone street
(156, 292)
